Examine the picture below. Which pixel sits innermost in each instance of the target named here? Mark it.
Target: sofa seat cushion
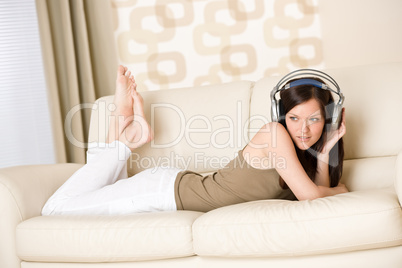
(145, 236)
(347, 222)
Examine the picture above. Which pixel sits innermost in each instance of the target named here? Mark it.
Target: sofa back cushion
(373, 102)
(200, 128)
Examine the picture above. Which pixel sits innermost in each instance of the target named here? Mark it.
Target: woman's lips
(303, 139)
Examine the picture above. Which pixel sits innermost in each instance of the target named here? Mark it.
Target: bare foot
(125, 85)
(123, 113)
(138, 132)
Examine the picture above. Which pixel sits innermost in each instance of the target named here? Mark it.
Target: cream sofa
(200, 129)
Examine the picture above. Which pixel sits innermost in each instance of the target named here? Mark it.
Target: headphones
(277, 109)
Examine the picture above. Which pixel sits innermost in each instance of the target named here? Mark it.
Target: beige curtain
(80, 62)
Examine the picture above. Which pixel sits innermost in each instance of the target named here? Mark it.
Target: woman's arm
(273, 144)
(293, 173)
(322, 176)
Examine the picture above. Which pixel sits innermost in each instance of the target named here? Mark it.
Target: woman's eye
(314, 119)
(293, 118)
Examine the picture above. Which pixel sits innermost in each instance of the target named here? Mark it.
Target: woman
(301, 140)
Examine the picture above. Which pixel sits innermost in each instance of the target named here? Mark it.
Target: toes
(135, 94)
(120, 70)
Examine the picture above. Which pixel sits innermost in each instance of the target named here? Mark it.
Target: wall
(358, 32)
(181, 43)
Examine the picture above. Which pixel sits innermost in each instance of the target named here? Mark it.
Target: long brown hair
(308, 158)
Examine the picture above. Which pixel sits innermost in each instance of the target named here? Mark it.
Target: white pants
(101, 186)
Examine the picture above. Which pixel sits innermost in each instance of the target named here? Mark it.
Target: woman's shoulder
(275, 128)
(270, 136)
(278, 134)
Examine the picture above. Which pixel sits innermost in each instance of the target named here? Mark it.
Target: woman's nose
(305, 127)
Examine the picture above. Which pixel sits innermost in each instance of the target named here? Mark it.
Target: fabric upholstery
(374, 258)
(272, 228)
(398, 177)
(142, 236)
(369, 173)
(23, 192)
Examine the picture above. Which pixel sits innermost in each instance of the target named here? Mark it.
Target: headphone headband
(306, 81)
(300, 75)
(308, 72)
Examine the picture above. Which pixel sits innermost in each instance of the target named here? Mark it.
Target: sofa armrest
(23, 192)
(398, 177)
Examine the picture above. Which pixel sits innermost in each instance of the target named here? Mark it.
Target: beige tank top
(237, 182)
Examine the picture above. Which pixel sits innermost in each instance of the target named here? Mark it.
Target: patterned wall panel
(181, 43)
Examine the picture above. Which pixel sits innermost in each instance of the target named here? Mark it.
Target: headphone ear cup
(281, 111)
(337, 116)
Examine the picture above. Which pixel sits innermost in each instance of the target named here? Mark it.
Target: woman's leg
(104, 168)
(148, 191)
(106, 165)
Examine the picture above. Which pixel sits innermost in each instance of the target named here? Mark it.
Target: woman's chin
(303, 145)
(303, 148)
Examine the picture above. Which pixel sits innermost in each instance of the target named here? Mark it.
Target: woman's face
(305, 124)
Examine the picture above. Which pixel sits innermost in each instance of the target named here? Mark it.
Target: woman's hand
(329, 191)
(342, 188)
(335, 135)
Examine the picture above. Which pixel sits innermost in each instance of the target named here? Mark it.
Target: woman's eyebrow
(318, 113)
